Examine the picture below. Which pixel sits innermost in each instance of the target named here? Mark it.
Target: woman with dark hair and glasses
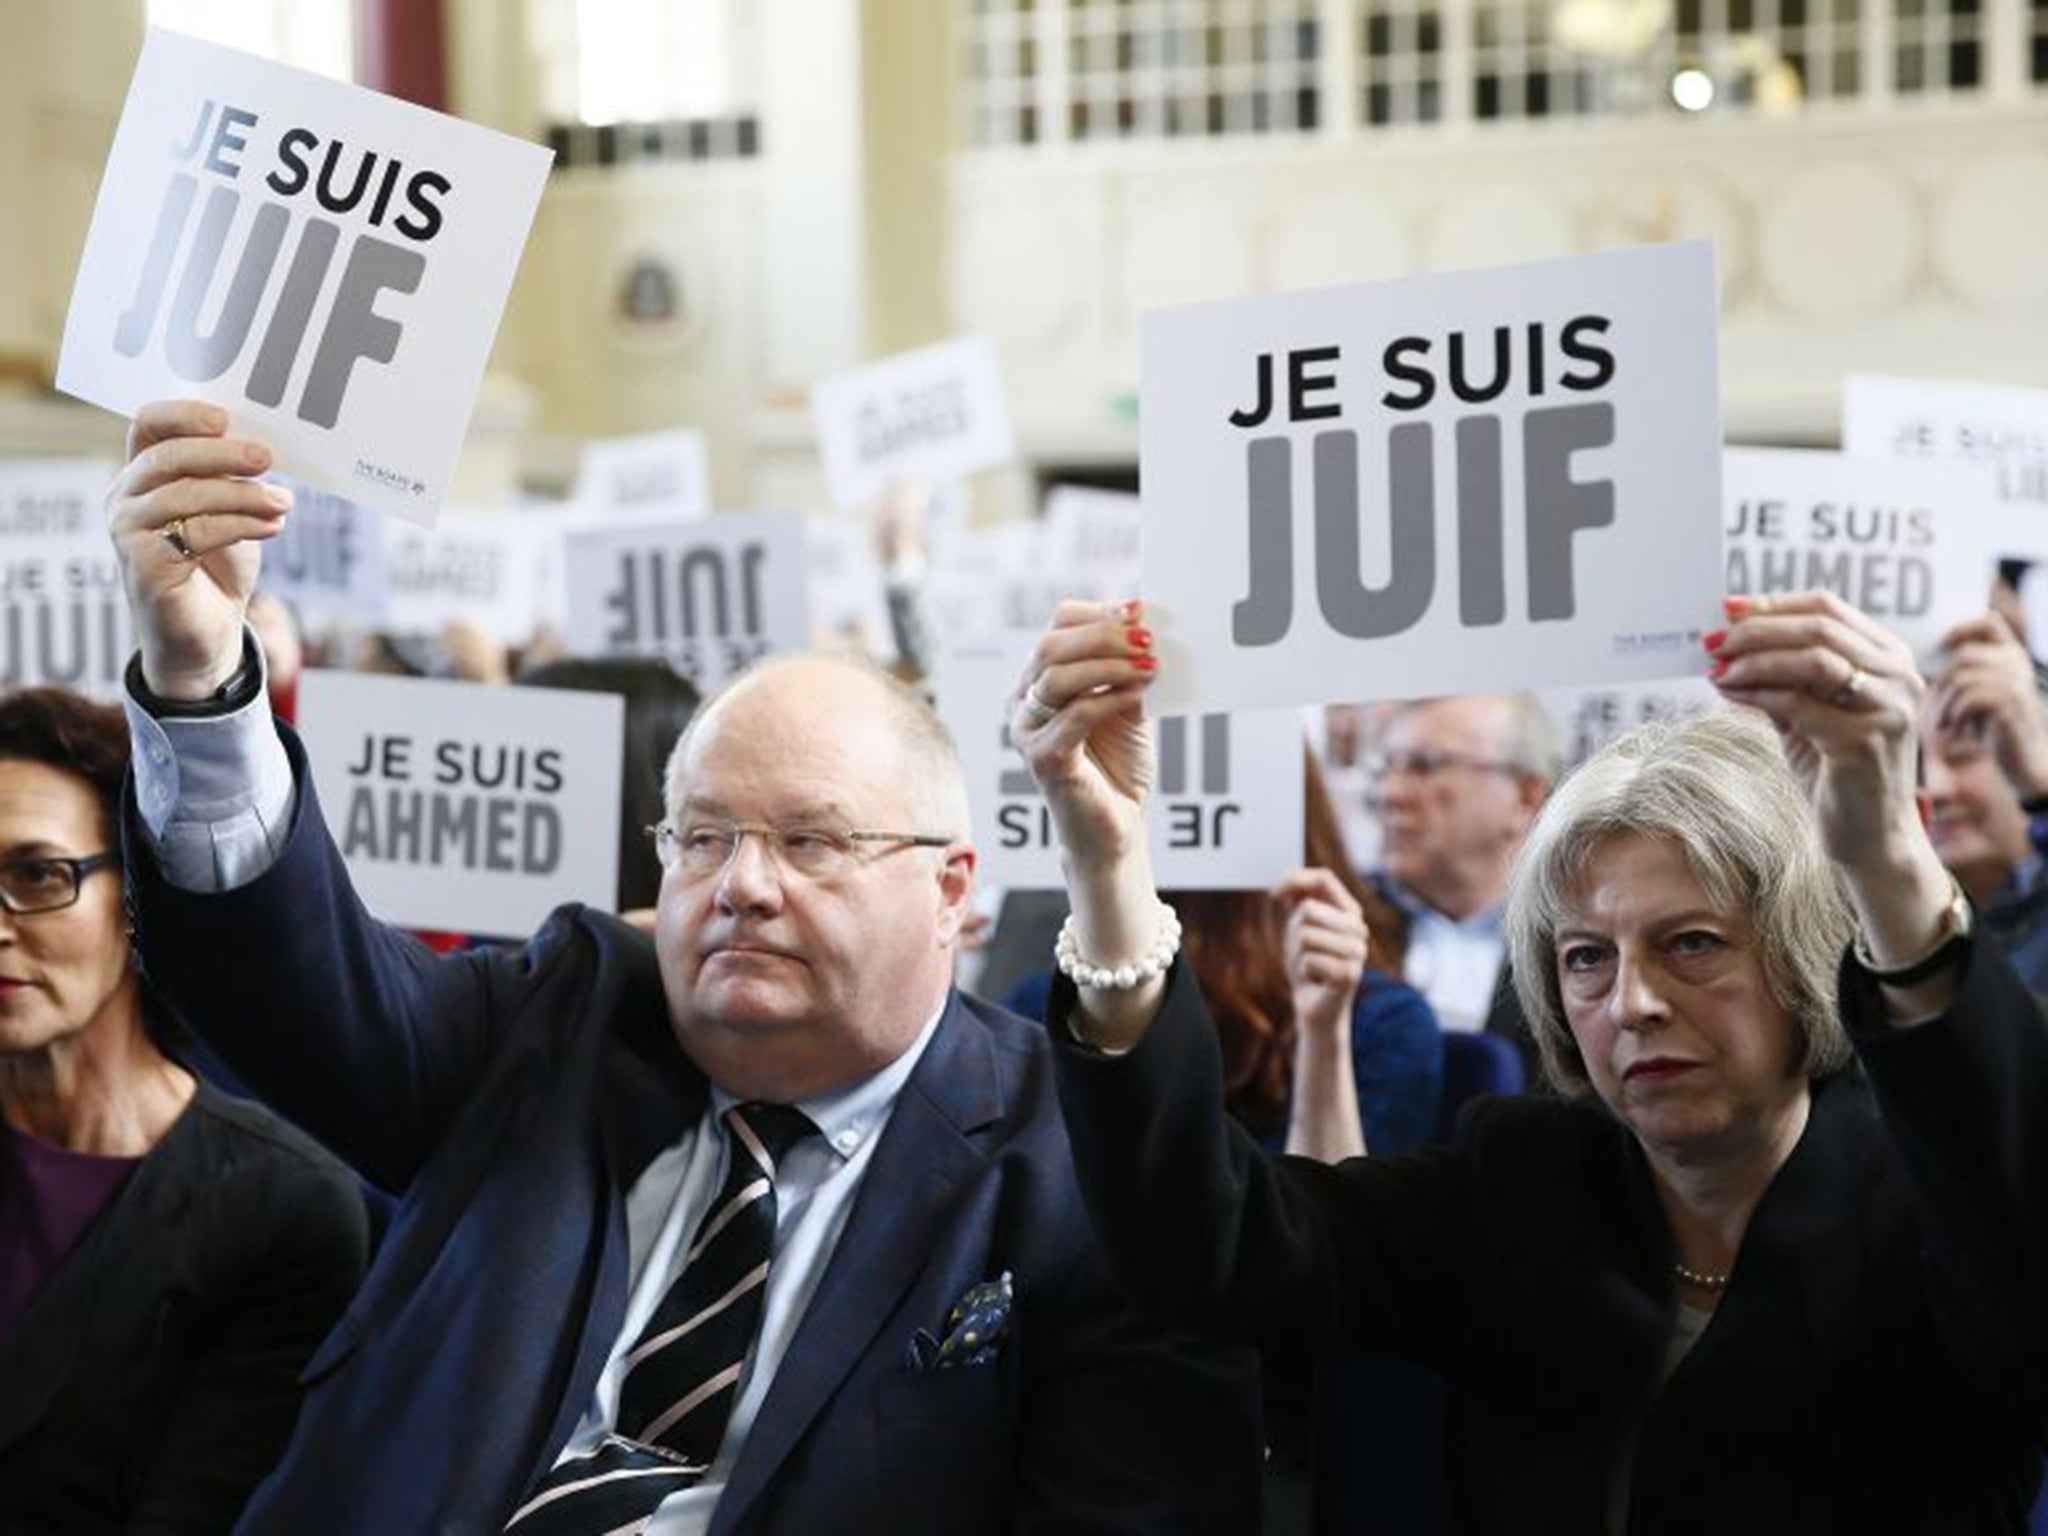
(169, 1256)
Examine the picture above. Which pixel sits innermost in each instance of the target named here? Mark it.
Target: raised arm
(352, 1029)
(187, 518)
(1986, 689)
(1078, 716)
(1195, 1220)
(187, 521)
(1325, 945)
(1846, 699)
(1957, 1054)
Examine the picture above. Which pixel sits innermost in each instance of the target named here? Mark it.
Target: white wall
(1915, 242)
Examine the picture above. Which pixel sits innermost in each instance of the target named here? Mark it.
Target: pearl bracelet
(1066, 952)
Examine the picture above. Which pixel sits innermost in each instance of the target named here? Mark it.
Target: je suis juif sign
(63, 615)
(1462, 483)
(325, 263)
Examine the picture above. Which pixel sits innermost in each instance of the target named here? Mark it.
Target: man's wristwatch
(1957, 923)
(238, 690)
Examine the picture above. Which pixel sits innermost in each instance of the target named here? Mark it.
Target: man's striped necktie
(683, 1372)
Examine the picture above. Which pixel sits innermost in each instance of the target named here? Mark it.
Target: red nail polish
(1145, 663)
(1735, 607)
(1140, 638)
(1714, 639)
(1720, 665)
(1129, 610)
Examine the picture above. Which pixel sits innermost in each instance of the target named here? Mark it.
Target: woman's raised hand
(1986, 686)
(1846, 698)
(1324, 942)
(1077, 715)
(186, 517)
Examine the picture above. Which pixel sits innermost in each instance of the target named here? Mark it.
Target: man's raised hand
(186, 518)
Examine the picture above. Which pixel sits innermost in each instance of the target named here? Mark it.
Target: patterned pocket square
(975, 1329)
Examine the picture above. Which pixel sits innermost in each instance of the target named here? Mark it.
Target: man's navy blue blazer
(515, 1095)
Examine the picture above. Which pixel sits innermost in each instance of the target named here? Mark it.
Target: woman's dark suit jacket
(1875, 1365)
(152, 1383)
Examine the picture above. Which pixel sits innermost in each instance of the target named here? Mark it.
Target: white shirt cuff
(216, 793)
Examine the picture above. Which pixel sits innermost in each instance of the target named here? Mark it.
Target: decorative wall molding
(1910, 241)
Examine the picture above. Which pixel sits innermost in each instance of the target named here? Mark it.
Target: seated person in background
(1455, 787)
(169, 1257)
(1291, 1046)
(1772, 1260)
(758, 1223)
(1984, 756)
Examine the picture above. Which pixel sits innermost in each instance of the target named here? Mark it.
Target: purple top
(48, 1197)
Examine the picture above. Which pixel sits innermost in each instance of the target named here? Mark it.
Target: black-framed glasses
(1427, 765)
(47, 882)
(809, 850)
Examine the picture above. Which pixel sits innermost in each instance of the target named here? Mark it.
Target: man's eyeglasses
(809, 850)
(47, 883)
(1427, 765)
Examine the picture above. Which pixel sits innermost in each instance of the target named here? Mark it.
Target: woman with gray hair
(1714, 786)
(1773, 1258)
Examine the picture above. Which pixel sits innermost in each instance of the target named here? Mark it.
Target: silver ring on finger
(174, 535)
(1035, 707)
(1850, 694)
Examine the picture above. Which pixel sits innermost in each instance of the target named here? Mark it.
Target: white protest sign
(848, 602)
(481, 567)
(2001, 426)
(1225, 814)
(1589, 718)
(710, 597)
(948, 521)
(467, 806)
(1099, 533)
(996, 580)
(1912, 545)
(1013, 575)
(1466, 483)
(54, 498)
(328, 562)
(325, 263)
(928, 417)
(63, 614)
(660, 474)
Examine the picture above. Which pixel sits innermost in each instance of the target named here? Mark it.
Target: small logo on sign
(1651, 642)
(390, 478)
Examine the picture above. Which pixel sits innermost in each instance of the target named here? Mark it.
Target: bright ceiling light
(1692, 90)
